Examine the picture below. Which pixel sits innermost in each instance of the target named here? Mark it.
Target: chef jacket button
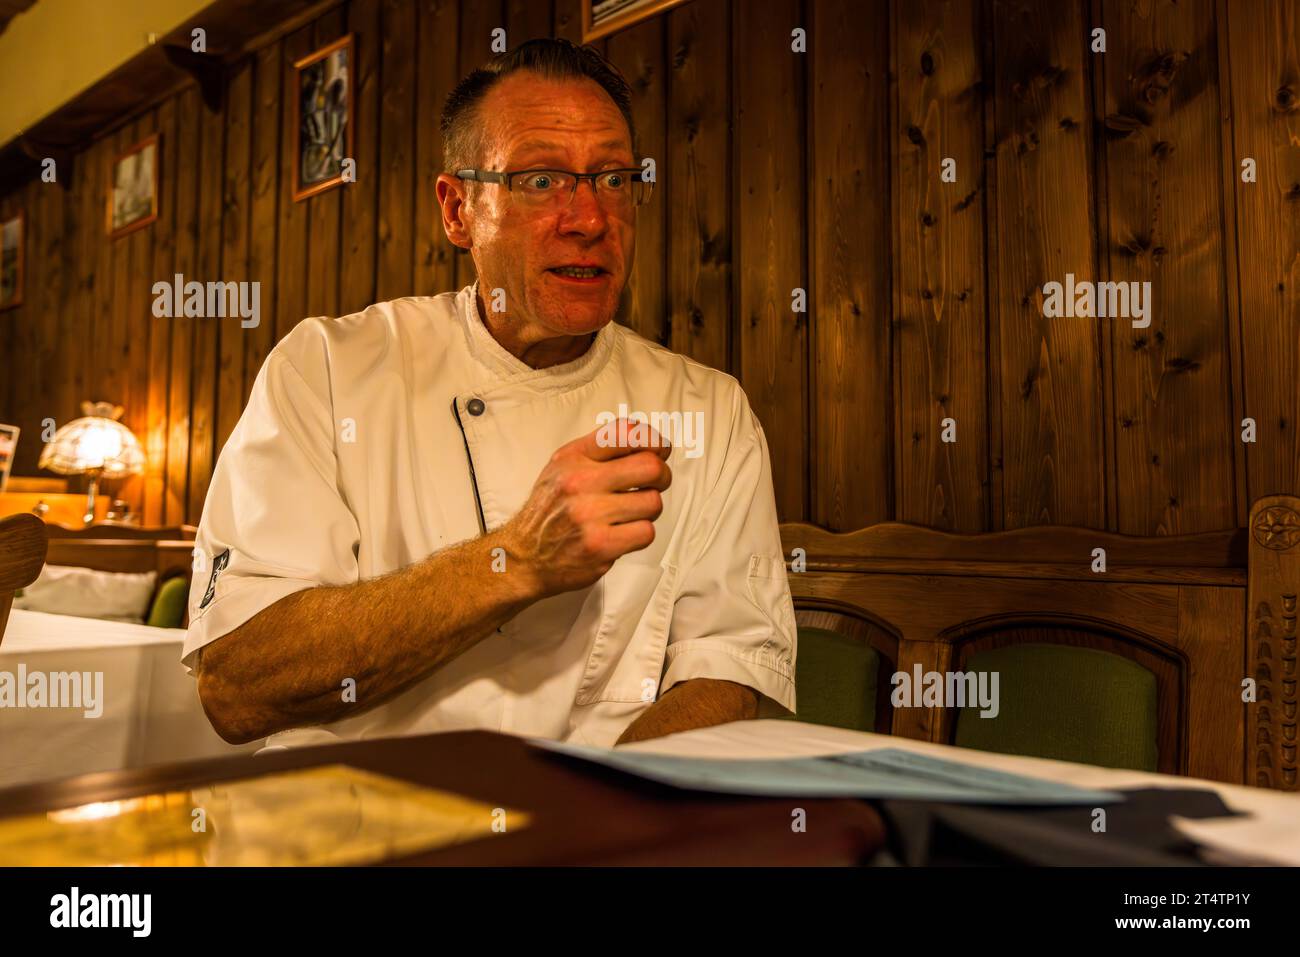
(475, 406)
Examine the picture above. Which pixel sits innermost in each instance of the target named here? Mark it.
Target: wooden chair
(22, 555)
(1200, 621)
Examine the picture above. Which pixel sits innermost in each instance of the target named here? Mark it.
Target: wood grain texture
(136, 312)
(940, 337)
(1043, 543)
(639, 53)
(361, 199)
(474, 48)
(778, 171)
(769, 170)
(22, 555)
(203, 401)
(1263, 51)
(1048, 399)
(1175, 436)
(849, 231)
(185, 262)
(236, 222)
(434, 270)
(324, 210)
(1216, 716)
(266, 202)
(396, 152)
(293, 243)
(154, 438)
(697, 189)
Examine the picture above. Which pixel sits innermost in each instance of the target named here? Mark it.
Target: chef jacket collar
(510, 370)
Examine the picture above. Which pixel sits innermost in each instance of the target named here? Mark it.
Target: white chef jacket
(374, 440)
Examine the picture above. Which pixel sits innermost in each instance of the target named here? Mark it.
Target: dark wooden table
(582, 814)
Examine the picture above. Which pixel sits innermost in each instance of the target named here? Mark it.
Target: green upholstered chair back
(838, 672)
(1067, 702)
(168, 608)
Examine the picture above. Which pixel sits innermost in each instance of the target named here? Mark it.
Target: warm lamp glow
(96, 443)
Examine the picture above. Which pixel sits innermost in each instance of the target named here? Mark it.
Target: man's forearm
(285, 667)
(697, 703)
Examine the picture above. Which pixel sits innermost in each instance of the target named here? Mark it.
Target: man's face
(530, 122)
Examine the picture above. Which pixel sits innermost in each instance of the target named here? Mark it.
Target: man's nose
(584, 214)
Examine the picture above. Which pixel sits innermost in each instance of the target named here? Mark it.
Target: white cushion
(88, 593)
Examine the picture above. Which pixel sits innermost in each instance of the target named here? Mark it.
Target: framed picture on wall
(603, 17)
(133, 192)
(8, 445)
(11, 261)
(323, 133)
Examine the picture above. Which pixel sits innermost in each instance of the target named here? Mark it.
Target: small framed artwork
(8, 445)
(600, 18)
(323, 133)
(133, 193)
(11, 262)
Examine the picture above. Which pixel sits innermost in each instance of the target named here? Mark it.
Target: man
(435, 514)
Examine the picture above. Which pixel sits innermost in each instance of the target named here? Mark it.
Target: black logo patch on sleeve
(218, 563)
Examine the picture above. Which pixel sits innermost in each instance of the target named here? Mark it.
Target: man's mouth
(578, 272)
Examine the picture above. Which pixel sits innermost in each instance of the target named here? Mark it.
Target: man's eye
(614, 180)
(541, 181)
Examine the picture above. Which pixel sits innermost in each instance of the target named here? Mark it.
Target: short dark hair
(552, 58)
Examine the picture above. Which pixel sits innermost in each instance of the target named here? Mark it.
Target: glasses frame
(506, 178)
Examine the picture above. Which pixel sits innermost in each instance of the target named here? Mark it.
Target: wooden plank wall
(779, 171)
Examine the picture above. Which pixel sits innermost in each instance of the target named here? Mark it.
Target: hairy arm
(285, 666)
(695, 703)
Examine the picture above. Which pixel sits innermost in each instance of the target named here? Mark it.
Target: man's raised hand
(595, 501)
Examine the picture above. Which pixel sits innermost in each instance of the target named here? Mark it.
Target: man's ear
(452, 200)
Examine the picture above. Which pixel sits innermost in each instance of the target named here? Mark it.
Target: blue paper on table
(884, 773)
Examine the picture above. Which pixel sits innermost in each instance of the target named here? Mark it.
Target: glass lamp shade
(95, 443)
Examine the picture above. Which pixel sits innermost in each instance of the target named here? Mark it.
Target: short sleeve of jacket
(733, 618)
(274, 521)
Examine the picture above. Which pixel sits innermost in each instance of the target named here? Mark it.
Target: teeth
(578, 272)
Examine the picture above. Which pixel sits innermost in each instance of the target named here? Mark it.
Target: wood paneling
(940, 342)
(236, 209)
(1175, 439)
(1046, 393)
(476, 23)
(434, 269)
(396, 151)
(777, 170)
(639, 54)
(325, 209)
(265, 205)
(769, 182)
(1263, 51)
(360, 199)
(203, 382)
(698, 193)
(849, 230)
(154, 438)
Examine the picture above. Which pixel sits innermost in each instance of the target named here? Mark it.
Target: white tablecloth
(151, 711)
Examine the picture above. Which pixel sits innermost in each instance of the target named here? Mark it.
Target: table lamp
(96, 445)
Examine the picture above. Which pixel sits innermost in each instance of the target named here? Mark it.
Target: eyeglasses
(545, 189)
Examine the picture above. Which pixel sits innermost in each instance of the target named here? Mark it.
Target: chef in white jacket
(497, 508)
